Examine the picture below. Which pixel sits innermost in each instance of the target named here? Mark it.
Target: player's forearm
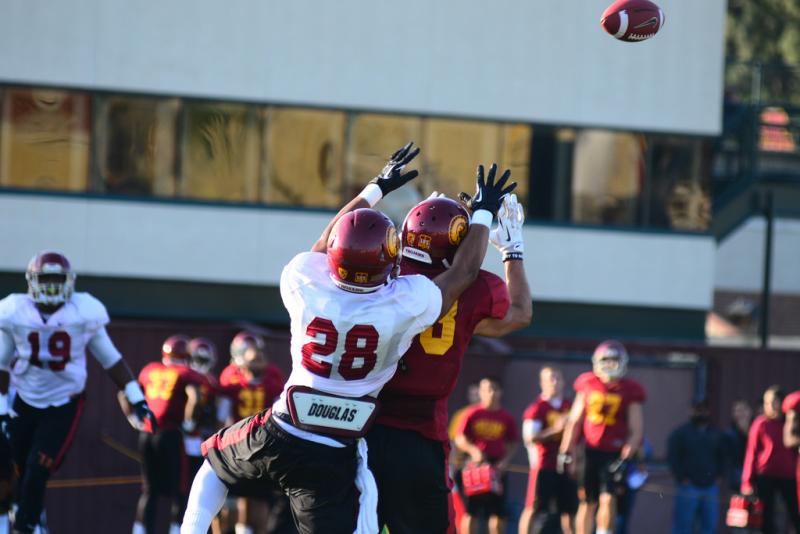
(4, 381)
(466, 264)
(548, 434)
(466, 445)
(636, 430)
(520, 312)
(568, 439)
(120, 374)
(322, 243)
(791, 431)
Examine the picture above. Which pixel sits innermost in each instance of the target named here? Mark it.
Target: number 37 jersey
(50, 364)
(349, 343)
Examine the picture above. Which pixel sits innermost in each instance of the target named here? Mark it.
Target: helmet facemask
(610, 361)
(50, 288)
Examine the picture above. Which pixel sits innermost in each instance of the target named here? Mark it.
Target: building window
(135, 145)
(44, 139)
(221, 152)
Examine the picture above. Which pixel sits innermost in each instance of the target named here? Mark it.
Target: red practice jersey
(792, 404)
(416, 397)
(165, 391)
(249, 398)
(543, 454)
(489, 430)
(605, 421)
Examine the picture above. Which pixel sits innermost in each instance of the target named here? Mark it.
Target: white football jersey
(50, 364)
(349, 343)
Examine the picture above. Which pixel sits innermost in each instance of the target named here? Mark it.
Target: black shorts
(488, 504)
(595, 478)
(165, 466)
(255, 453)
(413, 484)
(44, 435)
(551, 492)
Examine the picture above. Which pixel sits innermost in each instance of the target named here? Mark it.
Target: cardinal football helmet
(203, 354)
(175, 350)
(51, 279)
(610, 360)
(243, 341)
(432, 231)
(362, 251)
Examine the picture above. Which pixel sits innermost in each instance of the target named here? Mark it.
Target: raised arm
(389, 179)
(469, 256)
(507, 238)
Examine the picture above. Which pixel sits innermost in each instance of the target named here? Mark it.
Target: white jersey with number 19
(349, 343)
(50, 365)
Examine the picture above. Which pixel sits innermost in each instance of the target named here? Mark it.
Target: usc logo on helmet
(342, 273)
(362, 278)
(424, 242)
(392, 243)
(457, 229)
(410, 238)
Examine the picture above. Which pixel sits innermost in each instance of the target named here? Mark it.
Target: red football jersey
(489, 430)
(416, 397)
(545, 452)
(164, 389)
(605, 421)
(250, 398)
(792, 403)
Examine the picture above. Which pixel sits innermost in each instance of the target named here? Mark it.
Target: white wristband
(3, 404)
(133, 392)
(372, 194)
(483, 217)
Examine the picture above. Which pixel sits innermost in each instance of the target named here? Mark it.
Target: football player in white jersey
(351, 321)
(46, 332)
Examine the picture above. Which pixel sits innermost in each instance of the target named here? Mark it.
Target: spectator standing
(552, 496)
(697, 457)
(736, 434)
(488, 433)
(769, 466)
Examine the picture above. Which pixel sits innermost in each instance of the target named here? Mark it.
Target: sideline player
(172, 390)
(488, 433)
(609, 407)
(412, 424)
(50, 329)
(791, 430)
(351, 321)
(252, 383)
(542, 427)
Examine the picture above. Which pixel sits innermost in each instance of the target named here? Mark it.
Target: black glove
(392, 177)
(143, 413)
(488, 194)
(618, 469)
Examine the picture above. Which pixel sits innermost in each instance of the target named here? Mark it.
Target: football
(632, 20)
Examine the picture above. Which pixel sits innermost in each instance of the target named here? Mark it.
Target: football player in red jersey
(172, 390)
(352, 319)
(46, 333)
(608, 410)
(414, 493)
(488, 433)
(791, 430)
(203, 358)
(252, 383)
(542, 427)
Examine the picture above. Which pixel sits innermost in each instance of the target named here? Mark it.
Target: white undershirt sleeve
(103, 349)
(6, 350)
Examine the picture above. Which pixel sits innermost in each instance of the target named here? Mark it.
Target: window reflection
(304, 157)
(221, 144)
(44, 139)
(608, 169)
(136, 145)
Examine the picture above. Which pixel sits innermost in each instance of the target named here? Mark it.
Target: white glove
(507, 235)
(436, 194)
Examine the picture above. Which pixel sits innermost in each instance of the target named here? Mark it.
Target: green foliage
(765, 35)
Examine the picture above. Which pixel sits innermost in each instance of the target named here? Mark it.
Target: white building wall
(518, 60)
(188, 242)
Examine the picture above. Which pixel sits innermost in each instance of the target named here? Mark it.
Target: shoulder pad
(90, 309)
(9, 307)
